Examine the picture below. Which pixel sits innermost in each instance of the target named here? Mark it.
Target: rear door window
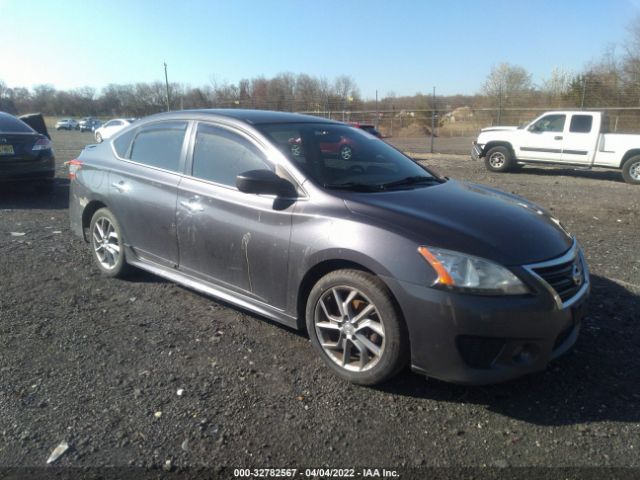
(581, 124)
(220, 155)
(159, 145)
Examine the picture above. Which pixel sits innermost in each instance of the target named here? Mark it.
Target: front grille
(565, 278)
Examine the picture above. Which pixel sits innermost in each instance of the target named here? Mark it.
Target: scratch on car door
(246, 238)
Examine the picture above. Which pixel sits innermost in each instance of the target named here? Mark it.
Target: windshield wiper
(407, 181)
(359, 187)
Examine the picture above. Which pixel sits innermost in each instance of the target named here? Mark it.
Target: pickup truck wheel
(631, 170)
(498, 159)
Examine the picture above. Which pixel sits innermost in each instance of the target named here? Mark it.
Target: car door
(143, 188)
(580, 139)
(236, 240)
(542, 140)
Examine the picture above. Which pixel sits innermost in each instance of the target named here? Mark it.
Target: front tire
(631, 170)
(356, 328)
(107, 244)
(499, 159)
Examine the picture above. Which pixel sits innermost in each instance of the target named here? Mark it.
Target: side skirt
(215, 291)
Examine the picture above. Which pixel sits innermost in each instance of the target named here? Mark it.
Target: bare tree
(507, 83)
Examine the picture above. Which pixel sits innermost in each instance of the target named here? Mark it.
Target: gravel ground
(144, 372)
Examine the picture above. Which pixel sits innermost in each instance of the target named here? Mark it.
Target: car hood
(498, 129)
(468, 218)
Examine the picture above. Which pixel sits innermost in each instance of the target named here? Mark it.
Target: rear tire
(107, 244)
(356, 328)
(98, 138)
(631, 170)
(499, 159)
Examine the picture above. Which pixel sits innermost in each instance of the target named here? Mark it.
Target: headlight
(471, 274)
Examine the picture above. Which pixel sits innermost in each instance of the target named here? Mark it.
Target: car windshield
(343, 157)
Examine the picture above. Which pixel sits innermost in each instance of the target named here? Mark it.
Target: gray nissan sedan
(319, 225)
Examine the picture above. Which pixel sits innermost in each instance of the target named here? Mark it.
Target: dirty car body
(383, 261)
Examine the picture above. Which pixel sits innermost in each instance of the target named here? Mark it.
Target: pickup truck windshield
(343, 157)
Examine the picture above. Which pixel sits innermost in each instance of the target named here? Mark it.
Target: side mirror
(264, 182)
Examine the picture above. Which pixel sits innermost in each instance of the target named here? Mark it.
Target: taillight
(42, 144)
(74, 166)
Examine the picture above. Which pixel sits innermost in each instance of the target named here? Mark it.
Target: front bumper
(471, 339)
(477, 151)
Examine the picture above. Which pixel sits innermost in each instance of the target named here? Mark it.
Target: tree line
(285, 92)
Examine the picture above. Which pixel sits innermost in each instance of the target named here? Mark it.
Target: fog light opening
(525, 354)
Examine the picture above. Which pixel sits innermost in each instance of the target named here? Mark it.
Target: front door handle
(193, 205)
(558, 137)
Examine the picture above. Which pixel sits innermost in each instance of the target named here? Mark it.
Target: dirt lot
(98, 363)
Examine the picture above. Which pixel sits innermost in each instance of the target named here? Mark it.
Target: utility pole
(499, 104)
(166, 81)
(433, 118)
(377, 113)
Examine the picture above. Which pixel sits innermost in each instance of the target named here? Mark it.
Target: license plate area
(6, 150)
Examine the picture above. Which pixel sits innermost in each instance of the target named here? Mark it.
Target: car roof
(252, 117)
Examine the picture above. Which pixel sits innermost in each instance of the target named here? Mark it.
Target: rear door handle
(193, 205)
(120, 186)
(558, 137)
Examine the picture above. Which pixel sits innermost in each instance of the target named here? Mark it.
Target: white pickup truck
(567, 138)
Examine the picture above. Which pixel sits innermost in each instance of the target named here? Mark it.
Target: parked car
(330, 144)
(110, 128)
(384, 262)
(66, 124)
(367, 128)
(566, 138)
(89, 124)
(26, 155)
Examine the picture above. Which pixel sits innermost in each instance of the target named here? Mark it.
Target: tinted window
(336, 155)
(549, 123)
(220, 155)
(159, 145)
(9, 124)
(122, 142)
(581, 123)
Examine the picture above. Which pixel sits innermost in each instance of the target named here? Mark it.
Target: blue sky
(401, 46)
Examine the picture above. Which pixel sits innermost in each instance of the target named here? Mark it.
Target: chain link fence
(455, 129)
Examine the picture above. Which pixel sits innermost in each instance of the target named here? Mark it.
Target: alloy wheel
(349, 328)
(106, 243)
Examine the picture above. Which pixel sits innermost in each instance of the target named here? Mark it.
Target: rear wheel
(498, 159)
(631, 170)
(107, 244)
(355, 326)
(98, 138)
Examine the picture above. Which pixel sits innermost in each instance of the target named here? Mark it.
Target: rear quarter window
(122, 143)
